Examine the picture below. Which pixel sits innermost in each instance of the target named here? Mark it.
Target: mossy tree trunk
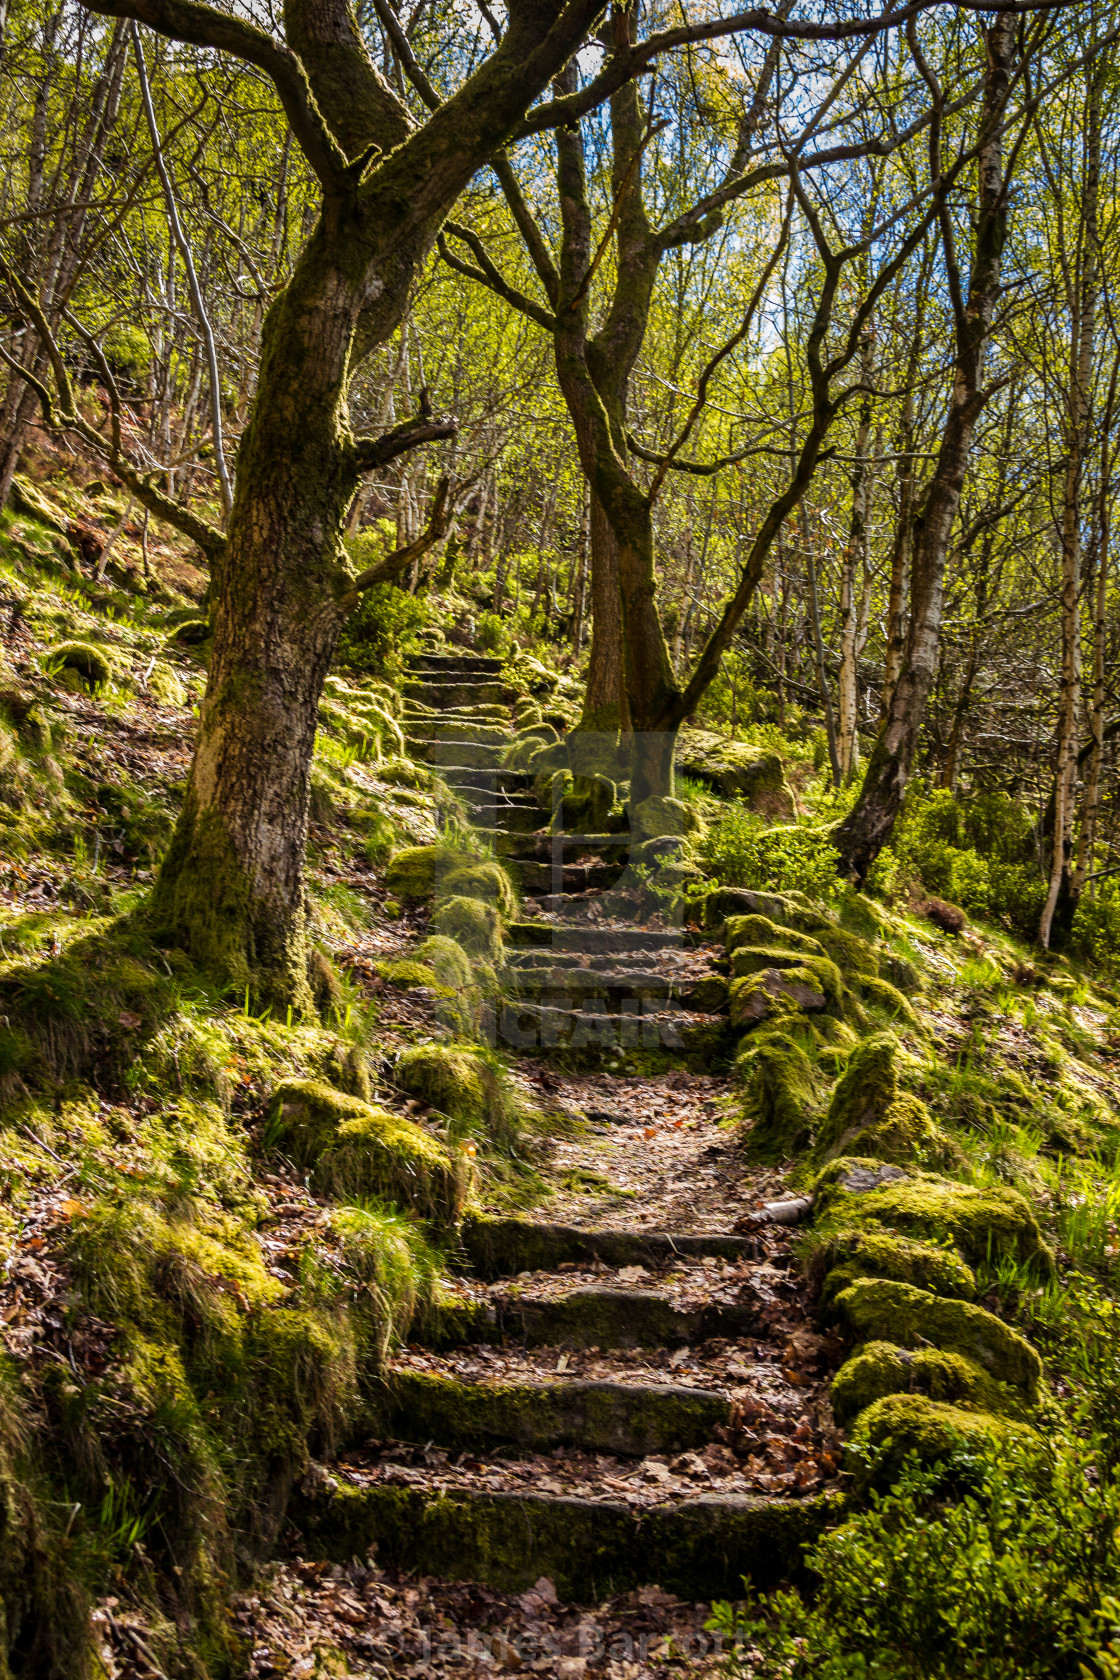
(868, 826)
(231, 888)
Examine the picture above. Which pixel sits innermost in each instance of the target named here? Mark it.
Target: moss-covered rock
(485, 881)
(780, 1100)
(984, 1223)
(869, 1116)
(760, 932)
(880, 994)
(450, 1078)
(88, 665)
(736, 771)
(880, 1368)
(852, 1253)
(353, 1149)
(773, 993)
(661, 815)
(475, 925)
(875, 1310)
(850, 953)
(899, 1425)
(418, 870)
(448, 961)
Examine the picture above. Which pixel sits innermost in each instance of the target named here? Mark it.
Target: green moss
(752, 959)
(476, 926)
(485, 881)
(405, 973)
(985, 1224)
(869, 1116)
(89, 664)
(753, 929)
(356, 1150)
(448, 961)
(879, 1369)
(653, 818)
(166, 685)
(774, 993)
(450, 1078)
(876, 1310)
(415, 872)
(880, 994)
(902, 1424)
(851, 1253)
(849, 952)
(736, 771)
(780, 1101)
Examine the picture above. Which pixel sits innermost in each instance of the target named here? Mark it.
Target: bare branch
(487, 274)
(394, 564)
(370, 453)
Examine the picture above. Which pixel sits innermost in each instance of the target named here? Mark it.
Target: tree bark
(868, 826)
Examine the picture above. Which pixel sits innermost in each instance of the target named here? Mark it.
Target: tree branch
(370, 452)
(394, 564)
(204, 26)
(487, 274)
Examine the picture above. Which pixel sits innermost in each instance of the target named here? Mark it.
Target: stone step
(608, 1317)
(579, 938)
(437, 728)
(562, 987)
(442, 753)
(541, 878)
(452, 663)
(486, 777)
(498, 1247)
(553, 848)
(485, 717)
(630, 1419)
(455, 695)
(490, 812)
(649, 1024)
(590, 1549)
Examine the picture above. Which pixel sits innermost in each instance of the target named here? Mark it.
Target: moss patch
(355, 1150)
(415, 872)
(853, 1253)
(879, 1369)
(486, 881)
(475, 925)
(876, 1310)
(780, 1100)
(900, 1424)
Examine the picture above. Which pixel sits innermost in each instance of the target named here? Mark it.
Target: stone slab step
(577, 938)
(545, 878)
(699, 1548)
(486, 776)
(649, 1024)
(437, 728)
(551, 848)
(628, 1419)
(440, 753)
(451, 663)
(563, 986)
(504, 1247)
(438, 693)
(608, 1317)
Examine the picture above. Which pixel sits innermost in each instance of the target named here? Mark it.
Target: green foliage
(380, 633)
(739, 850)
(491, 633)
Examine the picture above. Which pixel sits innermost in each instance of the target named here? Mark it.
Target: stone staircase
(601, 1404)
(581, 975)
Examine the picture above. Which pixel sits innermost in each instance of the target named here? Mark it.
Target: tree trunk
(1082, 347)
(868, 826)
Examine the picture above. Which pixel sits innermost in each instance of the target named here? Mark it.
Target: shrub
(740, 851)
(381, 632)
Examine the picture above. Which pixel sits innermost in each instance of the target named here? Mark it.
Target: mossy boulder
(750, 960)
(853, 955)
(756, 931)
(880, 1368)
(416, 872)
(450, 1078)
(869, 1116)
(662, 815)
(984, 1223)
(721, 903)
(780, 1099)
(475, 925)
(900, 1425)
(875, 1310)
(774, 993)
(448, 961)
(849, 1254)
(353, 1149)
(736, 771)
(482, 880)
(80, 665)
(880, 994)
